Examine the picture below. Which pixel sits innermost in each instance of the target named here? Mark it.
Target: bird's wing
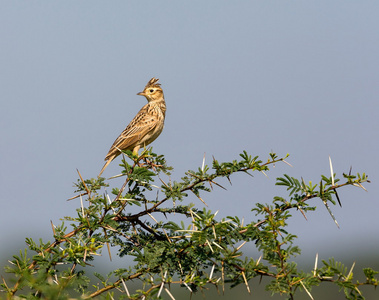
(143, 123)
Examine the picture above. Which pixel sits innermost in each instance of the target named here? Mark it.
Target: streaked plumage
(146, 126)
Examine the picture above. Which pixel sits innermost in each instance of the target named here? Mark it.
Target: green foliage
(198, 251)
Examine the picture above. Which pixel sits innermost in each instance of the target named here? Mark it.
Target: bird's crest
(153, 83)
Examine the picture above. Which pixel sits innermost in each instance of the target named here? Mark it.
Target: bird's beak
(141, 94)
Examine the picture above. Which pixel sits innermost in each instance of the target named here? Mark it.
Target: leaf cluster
(198, 251)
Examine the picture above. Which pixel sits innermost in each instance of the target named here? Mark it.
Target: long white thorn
(331, 170)
(316, 262)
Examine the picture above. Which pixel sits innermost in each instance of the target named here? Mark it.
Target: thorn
(199, 198)
(309, 294)
(338, 198)
(223, 277)
(361, 186)
(5, 284)
(217, 245)
(302, 212)
(287, 163)
(240, 246)
(259, 260)
(77, 196)
(52, 226)
(331, 170)
(168, 292)
(202, 166)
(316, 262)
(151, 216)
(117, 176)
(109, 248)
(332, 174)
(126, 289)
(160, 289)
(164, 183)
(351, 270)
(247, 285)
(187, 286)
(303, 182)
(82, 206)
(331, 214)
(209, 244)
(247, 174)
(85, 186)
(213, 268)
(214, 232)
(162, 284)
(219, 185)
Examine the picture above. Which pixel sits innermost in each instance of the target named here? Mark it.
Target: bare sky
(298, 77)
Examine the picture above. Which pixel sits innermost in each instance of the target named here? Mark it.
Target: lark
(146, 126)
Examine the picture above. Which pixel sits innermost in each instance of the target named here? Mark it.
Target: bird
(146, 126)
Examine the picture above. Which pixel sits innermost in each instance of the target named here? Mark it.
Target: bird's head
(152, 90)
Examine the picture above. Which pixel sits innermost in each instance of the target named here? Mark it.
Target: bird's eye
(151, 91)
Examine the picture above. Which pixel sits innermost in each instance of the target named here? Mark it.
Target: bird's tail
(105, 165)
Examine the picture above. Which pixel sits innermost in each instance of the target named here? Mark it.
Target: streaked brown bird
(146, 126)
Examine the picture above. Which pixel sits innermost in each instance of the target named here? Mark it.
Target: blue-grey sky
(298, 77)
